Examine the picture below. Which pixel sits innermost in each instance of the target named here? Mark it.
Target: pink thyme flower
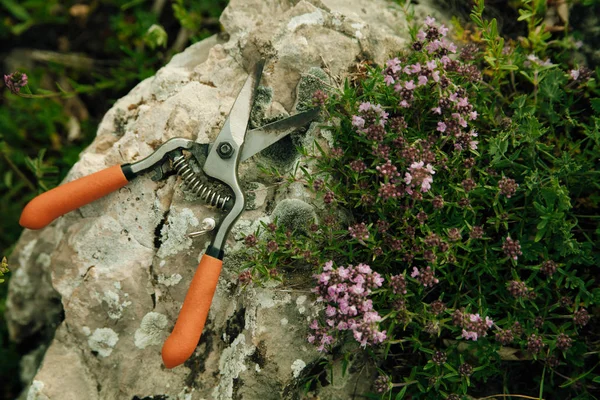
(421, 36)
(469, 335)
(419, 174)
(422, 80)
(15, 81)
(410, 85)
(441, 127)
(358, 122)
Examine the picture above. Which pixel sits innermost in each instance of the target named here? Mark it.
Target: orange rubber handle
(48, 206)
(182, 342)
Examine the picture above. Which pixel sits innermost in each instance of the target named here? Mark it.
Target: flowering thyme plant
(472, 232)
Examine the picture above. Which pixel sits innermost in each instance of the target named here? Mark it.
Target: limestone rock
(103, 285)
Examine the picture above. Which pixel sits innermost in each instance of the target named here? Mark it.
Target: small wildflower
(581, 317)
(318, 184)
(425, 276)
(548, 267)
(468, 185)
(476, 232)
(563, 342)
(358, 122)
(319, 98)
(438, 202)
(359, 231)
(382, 384)
(518, 289)
(398, 284)
(15, 81)
(469, 163)
(441, 127)
(465, 369)
(438, 307)
(382, 226)
(505, 337)
(272, 246)
(538, 322)
(245, 277)
(508, 187)
(512, 248)
(328, 198)
(464, 202)
(358, 166)
(534, 344)
(420, 174)
(565, 302)
(422, 217)
(454, 234)
(387, 169)
(250, 240)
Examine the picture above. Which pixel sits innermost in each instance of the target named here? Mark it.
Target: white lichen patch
(174, 233)
(297, 367)
(103, 340)
(313, 18)
(114, 306)
(151, 331)
(35, 391)
(284, 321)
(43, 260)
(231, 364)
(86, 330)
(300, 300)
(117, 285)
(26, 252)
(169, 281)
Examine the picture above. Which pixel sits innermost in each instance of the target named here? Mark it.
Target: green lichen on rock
(315, 79)
(262, 101)
(294, 214)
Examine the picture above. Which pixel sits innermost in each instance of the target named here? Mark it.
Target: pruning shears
(218, 186)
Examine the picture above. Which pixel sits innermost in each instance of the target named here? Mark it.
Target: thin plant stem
(12, 166)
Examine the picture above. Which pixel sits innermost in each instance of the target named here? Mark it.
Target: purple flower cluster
(453, 108)
(512, 248)
(419, 174)
(15, 81)
(473, 326)
(359, 231)
(508, 187)
(425, 276)
(346, 291)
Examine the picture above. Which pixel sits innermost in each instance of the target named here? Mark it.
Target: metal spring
(193, 184)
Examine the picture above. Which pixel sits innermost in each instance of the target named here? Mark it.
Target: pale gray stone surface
(104, 284)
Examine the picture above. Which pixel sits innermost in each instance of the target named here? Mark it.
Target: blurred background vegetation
(81, 56)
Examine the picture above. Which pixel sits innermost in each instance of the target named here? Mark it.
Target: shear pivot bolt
(225, 149)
